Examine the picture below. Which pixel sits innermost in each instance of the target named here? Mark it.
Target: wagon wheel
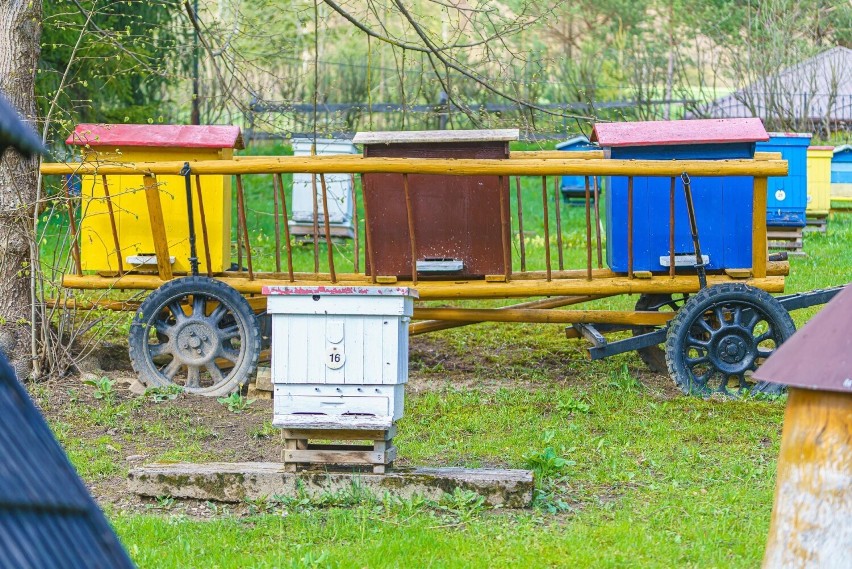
(721, 335)
(654, 356)
(195, 332)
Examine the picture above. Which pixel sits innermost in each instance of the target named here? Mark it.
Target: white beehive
(338, 189)
(339, 351)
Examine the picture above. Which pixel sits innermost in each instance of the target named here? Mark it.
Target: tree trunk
(20, 32)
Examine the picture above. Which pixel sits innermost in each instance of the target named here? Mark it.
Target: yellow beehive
(819, 180)
(146, 143)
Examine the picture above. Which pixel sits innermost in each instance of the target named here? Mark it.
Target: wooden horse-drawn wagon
(443, 213)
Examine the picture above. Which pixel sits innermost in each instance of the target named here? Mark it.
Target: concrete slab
(238, 481)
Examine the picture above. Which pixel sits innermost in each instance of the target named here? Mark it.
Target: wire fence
(548, 121)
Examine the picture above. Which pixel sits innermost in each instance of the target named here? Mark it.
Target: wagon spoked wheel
(721, 335)
(195, 332)
(654, 357)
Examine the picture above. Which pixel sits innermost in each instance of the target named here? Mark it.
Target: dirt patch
(131, 429)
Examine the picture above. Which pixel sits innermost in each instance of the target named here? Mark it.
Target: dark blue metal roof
(47, 517)
(14, 132)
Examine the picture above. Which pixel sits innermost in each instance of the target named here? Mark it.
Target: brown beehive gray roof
(819, 356)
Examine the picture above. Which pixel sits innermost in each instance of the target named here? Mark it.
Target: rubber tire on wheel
(197, 340)
(654, 357)
(720, 322)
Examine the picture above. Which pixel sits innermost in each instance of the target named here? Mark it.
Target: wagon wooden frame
(561, 287)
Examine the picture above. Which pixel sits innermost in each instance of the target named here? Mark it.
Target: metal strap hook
(186, 172)
(693, 227)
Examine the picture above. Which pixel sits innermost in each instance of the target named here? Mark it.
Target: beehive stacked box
(339, 367)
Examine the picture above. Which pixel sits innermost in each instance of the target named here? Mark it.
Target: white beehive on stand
(338, 188)
(339, 354)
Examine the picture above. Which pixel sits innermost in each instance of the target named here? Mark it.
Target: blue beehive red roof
(47, 517)
(665, 133)
(159, 135)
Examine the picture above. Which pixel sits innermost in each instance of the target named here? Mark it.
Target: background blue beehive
(841, 165)
(575, 186)
(723, 205)
(787, 197)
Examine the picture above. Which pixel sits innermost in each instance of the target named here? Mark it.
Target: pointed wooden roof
(819, 356)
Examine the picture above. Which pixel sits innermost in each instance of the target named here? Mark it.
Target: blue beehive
(841, 165)
(575, 186)
(723, 205)
(787, 197)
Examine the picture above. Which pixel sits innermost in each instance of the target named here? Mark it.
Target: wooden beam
(654, 318)
(425, 326)
(759, 251)
(158, 228)
(450, 290)
(455, 167)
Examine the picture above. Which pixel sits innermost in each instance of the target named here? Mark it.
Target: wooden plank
(390, 351)
(323, 447)
(332, 422)
(777, 233)
(290, 444)
(256, 393)
(158, 228)
(341, 434)
(355, 353)
(365, 457)
(263, 379)
(759, 252)
(381, 446)
(372, 333)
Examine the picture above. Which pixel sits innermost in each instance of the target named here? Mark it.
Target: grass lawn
(632, 473)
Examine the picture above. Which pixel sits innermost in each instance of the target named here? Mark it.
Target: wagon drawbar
(708, 303)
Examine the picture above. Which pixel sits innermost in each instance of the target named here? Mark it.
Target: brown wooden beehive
(457, 222)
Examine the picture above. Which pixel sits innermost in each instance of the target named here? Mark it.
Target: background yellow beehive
(145, 143)
(819, 180)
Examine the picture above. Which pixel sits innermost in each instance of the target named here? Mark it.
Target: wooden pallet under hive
(816, 223)
(786, 238)
(300, 452)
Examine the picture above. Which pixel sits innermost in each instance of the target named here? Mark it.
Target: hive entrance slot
(439, 265)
